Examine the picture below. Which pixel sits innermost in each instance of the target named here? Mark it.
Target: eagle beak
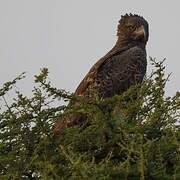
(140, 33)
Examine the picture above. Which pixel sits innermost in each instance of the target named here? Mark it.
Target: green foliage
(132, 136)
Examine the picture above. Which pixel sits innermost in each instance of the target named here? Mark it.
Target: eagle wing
(115, 72)
(85, 83)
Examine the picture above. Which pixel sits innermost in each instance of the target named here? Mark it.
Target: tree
(132, 136)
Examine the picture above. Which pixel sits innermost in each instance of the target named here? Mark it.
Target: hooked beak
(140, 33)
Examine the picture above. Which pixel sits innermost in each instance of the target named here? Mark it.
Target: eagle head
(133, 28)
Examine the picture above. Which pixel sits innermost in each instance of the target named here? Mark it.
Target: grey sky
(68, 37)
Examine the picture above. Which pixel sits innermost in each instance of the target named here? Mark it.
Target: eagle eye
(131, 28)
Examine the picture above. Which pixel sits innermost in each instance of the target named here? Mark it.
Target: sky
(69, 36)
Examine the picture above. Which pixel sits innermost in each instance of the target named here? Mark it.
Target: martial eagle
(123, 66)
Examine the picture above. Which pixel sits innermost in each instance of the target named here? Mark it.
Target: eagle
(123, 66)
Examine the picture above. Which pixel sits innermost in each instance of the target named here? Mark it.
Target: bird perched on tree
(123, 66)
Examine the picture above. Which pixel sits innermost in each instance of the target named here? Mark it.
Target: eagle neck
(126, 44)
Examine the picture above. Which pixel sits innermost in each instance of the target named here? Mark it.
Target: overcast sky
(68, 37)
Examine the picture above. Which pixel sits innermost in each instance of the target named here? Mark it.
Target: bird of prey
(123, 66)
